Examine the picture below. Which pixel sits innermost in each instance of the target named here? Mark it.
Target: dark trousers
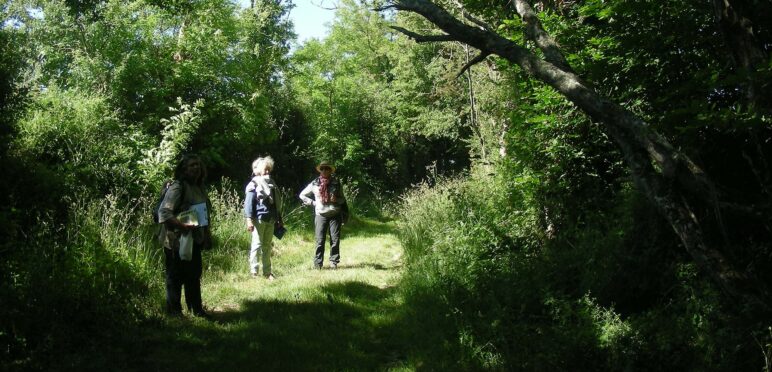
(181, 274)
(323, 225)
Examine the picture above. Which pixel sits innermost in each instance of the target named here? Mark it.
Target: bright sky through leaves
(311, 17)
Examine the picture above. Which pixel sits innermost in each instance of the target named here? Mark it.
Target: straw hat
(325, 164)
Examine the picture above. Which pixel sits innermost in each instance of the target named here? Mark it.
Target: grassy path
(344, 319)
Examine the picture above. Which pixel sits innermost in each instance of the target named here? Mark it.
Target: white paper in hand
(188, 217)
(186, 246)
(201, 213)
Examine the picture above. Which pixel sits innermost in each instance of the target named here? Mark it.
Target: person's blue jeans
(323, 226)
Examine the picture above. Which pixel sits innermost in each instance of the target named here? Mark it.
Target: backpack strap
(208, 206)
(269, 197)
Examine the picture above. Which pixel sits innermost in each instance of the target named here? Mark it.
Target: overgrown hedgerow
(79, 284)
(506, 295)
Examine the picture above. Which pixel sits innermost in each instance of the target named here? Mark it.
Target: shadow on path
(355, 326)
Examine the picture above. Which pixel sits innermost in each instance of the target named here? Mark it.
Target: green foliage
(62, 296)
(176, 137)
(13, 98)
(373, 105)
(542, 256)
(594, 297)
(85, 155)
(458, 251)
(141, 57)
(69, 131)
(595, 265)
(12, 95)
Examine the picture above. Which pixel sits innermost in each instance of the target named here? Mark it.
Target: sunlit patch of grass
(344, 319)
(374, 260)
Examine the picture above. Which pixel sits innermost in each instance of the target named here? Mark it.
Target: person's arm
(307, 193)
(277, 203)
(166, 214)
(341, 199)
(249, 207)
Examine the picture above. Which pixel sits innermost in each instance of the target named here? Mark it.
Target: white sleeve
(307, 193)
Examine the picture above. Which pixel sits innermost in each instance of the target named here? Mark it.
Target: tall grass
(601, 294)
(77, 282)
(70, 281)
(228, 230)
(459, 241)
(484, 287)
(83, 288)
(229, 227)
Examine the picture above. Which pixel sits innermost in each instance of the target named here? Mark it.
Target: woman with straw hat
(325, 193)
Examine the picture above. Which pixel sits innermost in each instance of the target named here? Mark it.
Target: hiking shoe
(317, 267)
(333, 266)
(254, 275)
(270, 277)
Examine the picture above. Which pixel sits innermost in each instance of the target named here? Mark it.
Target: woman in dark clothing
(184, 214)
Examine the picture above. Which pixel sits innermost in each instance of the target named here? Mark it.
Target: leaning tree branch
(476, 21)
(669, 179)
(480, 57)
(534, 30)
(423, 38)
(472, 18)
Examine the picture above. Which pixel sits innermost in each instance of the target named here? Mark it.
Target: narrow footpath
(344, 319)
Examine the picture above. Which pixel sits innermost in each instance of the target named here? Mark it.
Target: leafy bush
(79, 137)
(507, 295)
(176, 136)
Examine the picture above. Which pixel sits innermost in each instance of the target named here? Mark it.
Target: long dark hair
(179, 170)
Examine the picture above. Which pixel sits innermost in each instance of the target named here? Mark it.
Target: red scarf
(324, 191)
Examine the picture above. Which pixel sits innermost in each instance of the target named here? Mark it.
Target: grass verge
(344, 319)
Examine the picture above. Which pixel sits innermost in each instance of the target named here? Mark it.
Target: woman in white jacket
(325, 193)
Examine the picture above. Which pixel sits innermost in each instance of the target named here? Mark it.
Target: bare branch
(423, 38)
(385, 7)
(481, 57)
(472, 18)
(321, 6)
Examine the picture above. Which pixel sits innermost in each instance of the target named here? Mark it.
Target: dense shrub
(63, 288)
(596, 296)
(79, 137)
(67, 285)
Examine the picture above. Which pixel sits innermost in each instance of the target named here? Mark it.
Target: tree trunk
(745, 49)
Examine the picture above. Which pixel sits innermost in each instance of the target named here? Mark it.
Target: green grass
(344, 319)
